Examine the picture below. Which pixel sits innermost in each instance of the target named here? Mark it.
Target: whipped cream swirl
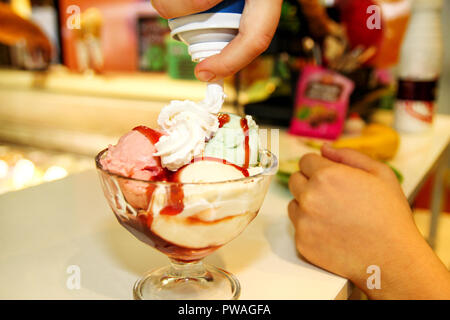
(187, 126)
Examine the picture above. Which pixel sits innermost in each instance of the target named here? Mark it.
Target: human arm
(350, 213)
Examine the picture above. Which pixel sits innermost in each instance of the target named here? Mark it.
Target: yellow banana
(377, 141)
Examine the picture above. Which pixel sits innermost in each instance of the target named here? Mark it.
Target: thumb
(257, 26)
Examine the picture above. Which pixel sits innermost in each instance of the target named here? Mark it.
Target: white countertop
(419, 153)
(46, 229)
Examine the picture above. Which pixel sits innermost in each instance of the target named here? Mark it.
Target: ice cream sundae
(191, 185)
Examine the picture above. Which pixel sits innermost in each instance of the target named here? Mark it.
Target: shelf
(141, 86)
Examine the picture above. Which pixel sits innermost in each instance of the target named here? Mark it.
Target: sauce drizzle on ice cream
(244, 126)
(223, 119)
(151, 134)
(175, 200)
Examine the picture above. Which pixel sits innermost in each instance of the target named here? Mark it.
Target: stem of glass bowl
(187, 271)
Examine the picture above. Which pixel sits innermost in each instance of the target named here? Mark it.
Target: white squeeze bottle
(207, 33)
(420, 68)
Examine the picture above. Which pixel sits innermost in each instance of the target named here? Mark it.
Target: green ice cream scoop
(230, 143)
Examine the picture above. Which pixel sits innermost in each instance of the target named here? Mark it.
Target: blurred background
(77, 74)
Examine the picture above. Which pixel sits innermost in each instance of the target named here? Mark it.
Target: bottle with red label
(420, 68)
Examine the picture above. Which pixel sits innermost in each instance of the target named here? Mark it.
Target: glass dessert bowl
(187, 222)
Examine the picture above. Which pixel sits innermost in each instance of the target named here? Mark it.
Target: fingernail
(327, 146)
(205, 76)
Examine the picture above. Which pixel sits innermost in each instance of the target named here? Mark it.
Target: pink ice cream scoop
(132, 157)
